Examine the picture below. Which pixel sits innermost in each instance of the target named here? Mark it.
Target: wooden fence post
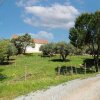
(66, 70)
(75, 69)
(98, 67)
(25, 74)
(71, 70)
(59, 69)
(85, 68)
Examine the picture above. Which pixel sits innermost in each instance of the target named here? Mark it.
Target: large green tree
(87, 32)
(22, 42)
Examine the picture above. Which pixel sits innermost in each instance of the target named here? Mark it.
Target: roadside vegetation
(26, 73)
(21, 73)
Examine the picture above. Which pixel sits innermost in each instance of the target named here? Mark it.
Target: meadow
(26, 73)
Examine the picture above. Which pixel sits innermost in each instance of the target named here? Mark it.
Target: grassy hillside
(40, 73)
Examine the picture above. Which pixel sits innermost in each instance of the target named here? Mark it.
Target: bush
(3, 50)
(48, 49)
(11, 50)
(7, 49)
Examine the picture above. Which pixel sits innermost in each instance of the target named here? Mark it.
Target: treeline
(15, 46)
(64, 49)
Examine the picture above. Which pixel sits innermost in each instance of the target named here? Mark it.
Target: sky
(42, 19)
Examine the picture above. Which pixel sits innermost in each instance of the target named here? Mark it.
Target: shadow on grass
(71, 70)
(60, 60)
(90, 62)
(29, 54)
(6, 63)
(11, 59)
(49, 56)
(2, 76)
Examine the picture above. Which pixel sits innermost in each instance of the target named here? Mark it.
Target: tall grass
(40, 73)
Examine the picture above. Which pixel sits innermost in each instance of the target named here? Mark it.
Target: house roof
(40, 41)
(15, 36)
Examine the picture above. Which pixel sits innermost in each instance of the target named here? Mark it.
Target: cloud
(24, 3)
(43, 35)
(54, 16)
(51, 16)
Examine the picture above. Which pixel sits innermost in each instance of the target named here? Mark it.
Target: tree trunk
(97, 59)
(25, 49)
(8, 57)
(63, 57)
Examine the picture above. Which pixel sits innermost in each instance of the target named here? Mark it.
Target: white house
(38, 43)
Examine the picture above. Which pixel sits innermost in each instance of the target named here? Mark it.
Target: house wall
(29, 49)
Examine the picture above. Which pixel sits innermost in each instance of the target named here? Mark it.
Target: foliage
(87, 32)
(61, 48)
(7, 49)
(3, 50)
(11, 50)
(22, 42)
(48, 49)
(71, 49)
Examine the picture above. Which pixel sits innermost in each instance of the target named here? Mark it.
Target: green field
(40, 74)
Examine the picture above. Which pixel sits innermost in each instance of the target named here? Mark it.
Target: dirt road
(86, 89)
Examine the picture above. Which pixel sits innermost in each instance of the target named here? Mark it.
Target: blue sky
(46, 19)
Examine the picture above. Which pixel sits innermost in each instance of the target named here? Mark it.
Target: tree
(3, 50)
(87, 32)
(11, 50)
(62, 49)
(71, 49)
(26, 40)
(22, 42)
(18, 44)
(7, 49)
(48, 49)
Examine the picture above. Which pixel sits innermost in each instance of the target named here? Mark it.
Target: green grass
(42, 74)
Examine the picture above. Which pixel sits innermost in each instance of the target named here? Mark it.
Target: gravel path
(86, 89)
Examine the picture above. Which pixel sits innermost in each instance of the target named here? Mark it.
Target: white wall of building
(30, 49)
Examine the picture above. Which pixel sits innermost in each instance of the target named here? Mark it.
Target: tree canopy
(7, 49)
(86, 31)
(22, 42)
(61, 48)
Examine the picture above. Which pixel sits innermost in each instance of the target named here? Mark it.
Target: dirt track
(86, 89)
